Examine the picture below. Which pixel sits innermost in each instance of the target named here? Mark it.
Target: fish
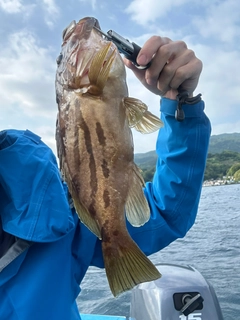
(96, 151)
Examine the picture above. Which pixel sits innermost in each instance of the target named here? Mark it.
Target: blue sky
(30, 41)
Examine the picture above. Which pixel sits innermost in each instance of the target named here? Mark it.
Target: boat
(182, 293)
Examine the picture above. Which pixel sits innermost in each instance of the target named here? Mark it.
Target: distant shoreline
(214, 183)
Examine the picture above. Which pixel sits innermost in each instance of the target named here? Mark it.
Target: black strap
(183, 98)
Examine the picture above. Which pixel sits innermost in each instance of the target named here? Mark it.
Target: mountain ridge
(218, 143)
(223, 152)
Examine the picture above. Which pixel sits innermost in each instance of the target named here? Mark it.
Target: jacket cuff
(169, 107)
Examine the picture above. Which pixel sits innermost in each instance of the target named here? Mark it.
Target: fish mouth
(83, 28)
(90, 22)
(78, 49)
(87, 25)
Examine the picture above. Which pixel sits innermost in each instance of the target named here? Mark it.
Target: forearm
(182, 151)
(174, 194)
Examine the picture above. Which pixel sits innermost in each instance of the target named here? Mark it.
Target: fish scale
(95, 149)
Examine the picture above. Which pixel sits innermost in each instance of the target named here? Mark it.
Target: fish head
(81, 43)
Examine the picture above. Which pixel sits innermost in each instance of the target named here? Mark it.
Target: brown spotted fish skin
(95, 149)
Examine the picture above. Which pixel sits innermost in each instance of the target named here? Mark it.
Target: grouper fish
(95, 149)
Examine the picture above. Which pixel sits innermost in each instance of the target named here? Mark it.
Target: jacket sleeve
(33, 201)
(175, 191)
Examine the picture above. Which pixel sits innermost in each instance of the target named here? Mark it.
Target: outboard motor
(181, 293)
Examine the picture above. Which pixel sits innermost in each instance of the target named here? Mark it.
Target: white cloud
(11, 6)
(145, 11)
(48, 136)
(52, 12)
(218, 20)
(17, 7)
(27, 85)
(49, 7)
(219, 85)
(227, 127)
(92, 2)
(27, 67)
(220, 81)
(221, 21)
(26, 72)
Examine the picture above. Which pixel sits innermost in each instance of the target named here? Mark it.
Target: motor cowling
(182, 293)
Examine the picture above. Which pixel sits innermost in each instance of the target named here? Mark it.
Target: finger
(187, 76)
(146, 54)
(184, 71)
(140, 74)
(149, 49)
(164, 63)
(129, 64)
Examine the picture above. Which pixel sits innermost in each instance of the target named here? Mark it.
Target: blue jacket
(50, 250)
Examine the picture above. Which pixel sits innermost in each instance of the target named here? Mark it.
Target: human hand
(173, 66)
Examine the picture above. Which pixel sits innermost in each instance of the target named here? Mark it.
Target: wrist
(171, 94)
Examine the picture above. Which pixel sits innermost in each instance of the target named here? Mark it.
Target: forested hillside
(225, 142)
(224, 152)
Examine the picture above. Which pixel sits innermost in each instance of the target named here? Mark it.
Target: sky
(30, 41)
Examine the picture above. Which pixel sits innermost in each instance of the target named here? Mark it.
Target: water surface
(212, 246)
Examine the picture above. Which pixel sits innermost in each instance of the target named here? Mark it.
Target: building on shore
(220, 182)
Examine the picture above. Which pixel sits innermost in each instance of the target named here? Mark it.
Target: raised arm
(181, 147)
(174, 194)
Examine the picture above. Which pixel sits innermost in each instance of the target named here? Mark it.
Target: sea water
(212, 246)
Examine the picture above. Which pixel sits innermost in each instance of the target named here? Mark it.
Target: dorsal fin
(99, 69)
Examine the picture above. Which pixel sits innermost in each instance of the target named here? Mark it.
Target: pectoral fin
(137, 209)
(139, 117)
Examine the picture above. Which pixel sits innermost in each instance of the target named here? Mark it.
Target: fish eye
(59, 59)
(69, 30)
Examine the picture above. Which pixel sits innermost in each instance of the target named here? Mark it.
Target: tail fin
(126, 265)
